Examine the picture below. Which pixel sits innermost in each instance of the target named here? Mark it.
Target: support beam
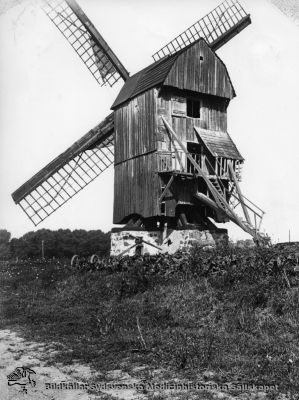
(145, 241)
(183, 219)
(191, 159)
(220, 200)
(222, 203)
(211, 203)
(127, 250)
(169, 183)
(234, 178)
(207, 201)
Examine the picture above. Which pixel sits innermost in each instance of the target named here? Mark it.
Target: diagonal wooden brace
(169, 183)
(219, 199)
(241, 199)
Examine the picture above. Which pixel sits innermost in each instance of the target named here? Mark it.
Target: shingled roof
(153, 76)
(219, 143)
(149, 77)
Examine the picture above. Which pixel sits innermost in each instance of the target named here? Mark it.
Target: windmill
(176, 167)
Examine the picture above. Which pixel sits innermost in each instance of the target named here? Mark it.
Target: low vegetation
(59, 244)
(234, 312)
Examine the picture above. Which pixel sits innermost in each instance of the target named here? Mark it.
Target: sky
(289, 7)
(48, 100)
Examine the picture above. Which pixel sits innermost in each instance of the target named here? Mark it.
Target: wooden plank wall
(139, 130)
(174, 108)
(172, 104)
(199, 69)
(136, 188)
(134, 125)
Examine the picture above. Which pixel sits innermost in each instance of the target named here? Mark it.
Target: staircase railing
(219, 201)
(168, 161)
(235, 192)
(171, 161)
(222, 167)
(257, 212)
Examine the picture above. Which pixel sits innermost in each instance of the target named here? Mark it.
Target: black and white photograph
(149, 212)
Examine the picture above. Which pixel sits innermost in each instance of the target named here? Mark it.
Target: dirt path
(18, 352)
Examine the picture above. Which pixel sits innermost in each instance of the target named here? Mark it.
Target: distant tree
(61, 243)
(4, 243)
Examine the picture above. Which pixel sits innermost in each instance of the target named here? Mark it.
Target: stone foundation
(168, 241)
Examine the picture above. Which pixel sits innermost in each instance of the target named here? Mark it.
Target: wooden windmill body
(176, 167)
(191, 89)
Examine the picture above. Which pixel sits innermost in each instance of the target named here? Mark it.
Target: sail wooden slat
(217, 28)
(87, 42)
(68, 174)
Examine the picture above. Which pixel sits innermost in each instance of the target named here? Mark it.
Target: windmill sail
(69, 173)
(90, 46)
(217, 28)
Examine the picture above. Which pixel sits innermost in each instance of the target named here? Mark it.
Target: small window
(193, 108)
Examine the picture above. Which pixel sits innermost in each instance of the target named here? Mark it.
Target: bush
(234, 311)
(61, 243)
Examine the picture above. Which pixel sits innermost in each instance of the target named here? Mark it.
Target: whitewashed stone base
(169, 242)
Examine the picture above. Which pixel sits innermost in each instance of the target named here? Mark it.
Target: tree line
(60, 243)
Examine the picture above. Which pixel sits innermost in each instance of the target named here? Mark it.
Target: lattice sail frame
(68, 174)
(86, 45)
(216, 28)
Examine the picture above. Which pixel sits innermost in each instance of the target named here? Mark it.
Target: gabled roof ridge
(155, 74)
(167, 57)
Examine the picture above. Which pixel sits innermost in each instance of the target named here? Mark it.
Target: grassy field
(233, 312)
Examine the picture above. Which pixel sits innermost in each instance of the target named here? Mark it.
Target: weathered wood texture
(136, 183)
(136, 188)
(219, 144)
(196, 74)
(172, 104)
(195, 68)
(95, 137)
(199, 69)
(134, 125)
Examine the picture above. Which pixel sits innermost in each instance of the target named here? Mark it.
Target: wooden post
(177, 155)
(197, 167)
(211, 203)
(222, 204)
(239, 193)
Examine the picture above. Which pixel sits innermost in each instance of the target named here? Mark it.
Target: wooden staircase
(217, 198)
(217, 186)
